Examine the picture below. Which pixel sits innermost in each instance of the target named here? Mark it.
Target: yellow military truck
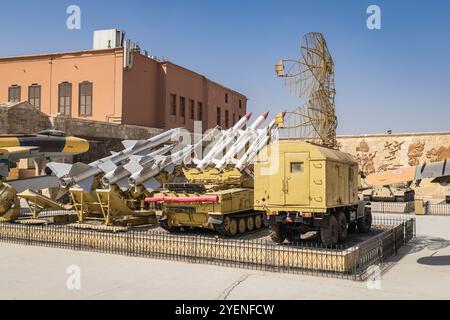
(307, 187)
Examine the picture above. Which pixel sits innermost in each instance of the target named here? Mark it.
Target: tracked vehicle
(212, 199)
(305, 187)
(217, 192)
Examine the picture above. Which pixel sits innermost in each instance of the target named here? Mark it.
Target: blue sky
(395, 78)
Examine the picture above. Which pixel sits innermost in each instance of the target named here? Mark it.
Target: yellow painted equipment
(303, 187)
(108, 206)
(9, 203)
(38, 202)
(230, 215)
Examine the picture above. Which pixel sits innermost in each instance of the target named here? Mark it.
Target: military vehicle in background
(217, 193)
(302, 181)
(305, 187)
(399, 192)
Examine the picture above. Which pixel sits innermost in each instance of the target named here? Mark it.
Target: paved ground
(421, 271)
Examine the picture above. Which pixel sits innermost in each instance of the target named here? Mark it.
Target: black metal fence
(435, 209)
(393, 207)
(348, 261)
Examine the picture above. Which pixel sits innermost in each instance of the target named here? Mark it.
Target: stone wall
(390, 151)
(104, 137)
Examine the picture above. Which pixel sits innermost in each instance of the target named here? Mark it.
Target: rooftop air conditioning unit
(108, 39)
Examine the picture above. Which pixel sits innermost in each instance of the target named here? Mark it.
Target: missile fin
(78, 168)
(151, 185)
(170, 168)
(136, 158)
(86, 184)
(59, 169)
(107, 166)
(133, 167)
(123, 184)
(129, 143)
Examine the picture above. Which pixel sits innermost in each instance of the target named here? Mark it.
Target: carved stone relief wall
(379, 152)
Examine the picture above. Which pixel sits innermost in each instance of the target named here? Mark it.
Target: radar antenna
(311, 77)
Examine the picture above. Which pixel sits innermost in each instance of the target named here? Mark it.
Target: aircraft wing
(5, 151)
(424, 171)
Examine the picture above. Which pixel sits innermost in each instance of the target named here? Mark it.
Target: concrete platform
(421, 271)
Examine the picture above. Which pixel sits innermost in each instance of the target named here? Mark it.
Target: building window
(234, 119)
(34, 95)
(226, 97)
(227, 119)
(183, 108)
(240, 104)
(65, 98)
(192, 109)
(219, 118)
(200, 111)
(14, 93)
(173, 104)
(85, 104)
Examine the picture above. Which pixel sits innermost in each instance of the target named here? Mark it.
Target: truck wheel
(351, 227)
(330, 234)
(364, 224)
(242, 225)
(293, 236)
(277, 233)
(342, 226)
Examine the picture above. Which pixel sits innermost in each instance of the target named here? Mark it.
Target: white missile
(146, 176)
(255, 147)
(83, 175)
(120, 174)
(225, 140)
(242, 141)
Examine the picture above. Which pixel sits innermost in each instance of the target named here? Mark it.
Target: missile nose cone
(248, 115)
(265, 114)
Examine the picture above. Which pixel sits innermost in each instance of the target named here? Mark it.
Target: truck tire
(330, 234)
(293, 236)
(342, 226)
(364, 224)
(242, 225)
(277, 233)
(351, 227)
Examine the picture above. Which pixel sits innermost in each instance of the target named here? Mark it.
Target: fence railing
(393, 207)
(306, 257)
(435, 209)
(439, 209)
